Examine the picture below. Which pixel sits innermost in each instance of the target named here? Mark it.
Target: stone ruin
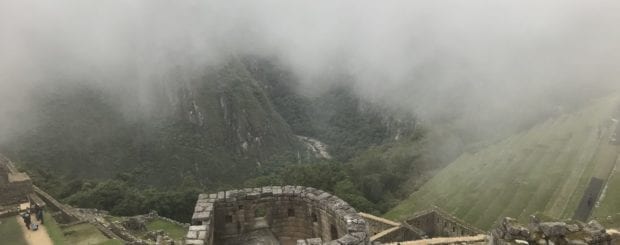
(299, 215)
(432, 226)
(133, 230)
(134, 224)
(276, 215)
(435, 222)
(15, 186)
(385, 231)
(537, 232)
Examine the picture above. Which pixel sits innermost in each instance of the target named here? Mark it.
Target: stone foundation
(293, 214)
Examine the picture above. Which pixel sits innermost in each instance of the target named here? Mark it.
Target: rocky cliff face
(231, 108)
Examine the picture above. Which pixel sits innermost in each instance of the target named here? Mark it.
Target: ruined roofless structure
(300, 215)
(15, 187)
(276, 215)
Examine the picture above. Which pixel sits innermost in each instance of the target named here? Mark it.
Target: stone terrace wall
(436, 223)
(63, 214)
(291, 212)
(384, 230)
(397, 234)
(378, 224)
(537, 232)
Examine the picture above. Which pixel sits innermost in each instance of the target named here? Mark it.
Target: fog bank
(478, 62)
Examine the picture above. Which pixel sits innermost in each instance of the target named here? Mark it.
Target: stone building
(276, 215)
(432, 226)
(306, 216)
(15, 187)
(386, 231)
(436, 223)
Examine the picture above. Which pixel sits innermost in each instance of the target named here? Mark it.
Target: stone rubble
(511, 232)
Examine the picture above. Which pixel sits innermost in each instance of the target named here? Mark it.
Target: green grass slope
(11, 232)
(542, 170)
(175, 231)
(608, 208)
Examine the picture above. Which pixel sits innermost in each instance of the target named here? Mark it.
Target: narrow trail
(39, 237)
(478, 239)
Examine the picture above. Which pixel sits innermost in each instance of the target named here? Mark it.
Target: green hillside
(545, 169)
(236, 125)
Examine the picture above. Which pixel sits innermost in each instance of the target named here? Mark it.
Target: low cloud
(480, 62)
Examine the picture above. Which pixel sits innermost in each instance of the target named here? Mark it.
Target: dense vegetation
(372, 182)
(233, 127)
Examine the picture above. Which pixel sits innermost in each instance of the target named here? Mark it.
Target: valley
(206, 122)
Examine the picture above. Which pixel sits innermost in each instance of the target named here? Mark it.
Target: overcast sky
(473, 58)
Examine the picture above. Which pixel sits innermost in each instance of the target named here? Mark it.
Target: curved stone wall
(292, 214)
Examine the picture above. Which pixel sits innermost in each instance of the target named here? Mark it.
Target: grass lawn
(10, 232)
(111, 218)
(541, 170)
(53, 230)
(81, 234)
(175, 231)
(84, 234)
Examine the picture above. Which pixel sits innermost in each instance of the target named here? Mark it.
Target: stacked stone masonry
(14, 185)
(386, 231)
(437, 223)
(537, 232)
(377, 225)
(294, 214)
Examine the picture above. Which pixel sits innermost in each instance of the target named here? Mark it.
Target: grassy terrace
(175, 231)
(10, 232)
(81, 234)
(545, 169)
(53, 230)
(86, 234)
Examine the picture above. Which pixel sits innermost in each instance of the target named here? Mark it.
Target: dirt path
(588, 200)
(606, 161)
(39, 237)
(478, 239)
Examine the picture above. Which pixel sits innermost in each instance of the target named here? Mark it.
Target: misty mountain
(236, 121)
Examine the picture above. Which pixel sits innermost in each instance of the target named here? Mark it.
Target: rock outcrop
(536, 232)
